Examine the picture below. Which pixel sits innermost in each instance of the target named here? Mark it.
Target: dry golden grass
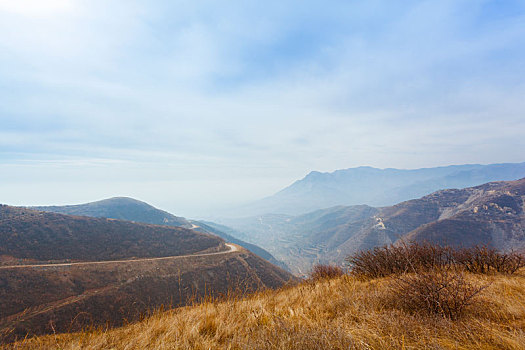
(340, 313)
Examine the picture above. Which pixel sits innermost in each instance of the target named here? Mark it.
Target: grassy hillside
(340, 313)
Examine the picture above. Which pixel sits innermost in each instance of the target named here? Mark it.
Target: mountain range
(374, 187)
(491, 214)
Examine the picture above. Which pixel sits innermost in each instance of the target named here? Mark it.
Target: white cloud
(37, 8)
(182, 94)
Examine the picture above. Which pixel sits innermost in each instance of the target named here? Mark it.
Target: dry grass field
(342, 312)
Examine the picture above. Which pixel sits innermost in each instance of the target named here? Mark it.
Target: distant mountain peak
(122, 200)
(314, 174)
(375, 187)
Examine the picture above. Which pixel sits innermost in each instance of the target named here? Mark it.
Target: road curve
(233, 248)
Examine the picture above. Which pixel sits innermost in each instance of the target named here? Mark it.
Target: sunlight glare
(36, 7)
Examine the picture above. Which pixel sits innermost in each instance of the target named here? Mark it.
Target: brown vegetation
(63, 299)
(41, 236)
(440, 292)
(415, 257)
(321, 271)
(486, 260)
(339, 313)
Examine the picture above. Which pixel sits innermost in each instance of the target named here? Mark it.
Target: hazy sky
(192, 105)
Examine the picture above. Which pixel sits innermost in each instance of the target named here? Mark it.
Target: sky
(194, 106)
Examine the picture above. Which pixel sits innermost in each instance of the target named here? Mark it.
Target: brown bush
(439, 292)
(485, 260)
(414, 257)
(392, 259)
(321, 271)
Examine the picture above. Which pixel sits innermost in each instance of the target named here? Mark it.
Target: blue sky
(194, 105)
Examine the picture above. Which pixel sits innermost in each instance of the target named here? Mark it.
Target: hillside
(374, 187)
(490, 214)
(130, 209)
(30, 234)
(493, 214)
(103, 271)
(341, 313)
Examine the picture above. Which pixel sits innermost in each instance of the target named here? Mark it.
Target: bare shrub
(414, 257)
(394, 259)
(321, 271)
(482, 259)
(440, 292)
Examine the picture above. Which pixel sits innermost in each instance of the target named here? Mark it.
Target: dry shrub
(414, 257)
(394, 259)
(485, 260)
(321, 271)
(439, 292)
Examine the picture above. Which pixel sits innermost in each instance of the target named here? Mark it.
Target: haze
(192, 106)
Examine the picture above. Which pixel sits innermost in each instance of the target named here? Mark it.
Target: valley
(491, 214)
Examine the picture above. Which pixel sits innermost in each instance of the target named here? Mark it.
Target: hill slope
(118, 279)
(343, 313)
(130, 209)
(375, 187)
(30, 234)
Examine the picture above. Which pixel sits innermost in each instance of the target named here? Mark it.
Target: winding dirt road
(233, 248)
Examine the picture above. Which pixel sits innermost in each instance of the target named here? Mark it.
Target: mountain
(375, 187)
(121, 208)
(491, 214)
(130, 209)
(62, 273)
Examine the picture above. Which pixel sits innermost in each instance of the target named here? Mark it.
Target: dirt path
(233, 248)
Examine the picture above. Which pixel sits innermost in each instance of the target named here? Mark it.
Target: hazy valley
(490, 214)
